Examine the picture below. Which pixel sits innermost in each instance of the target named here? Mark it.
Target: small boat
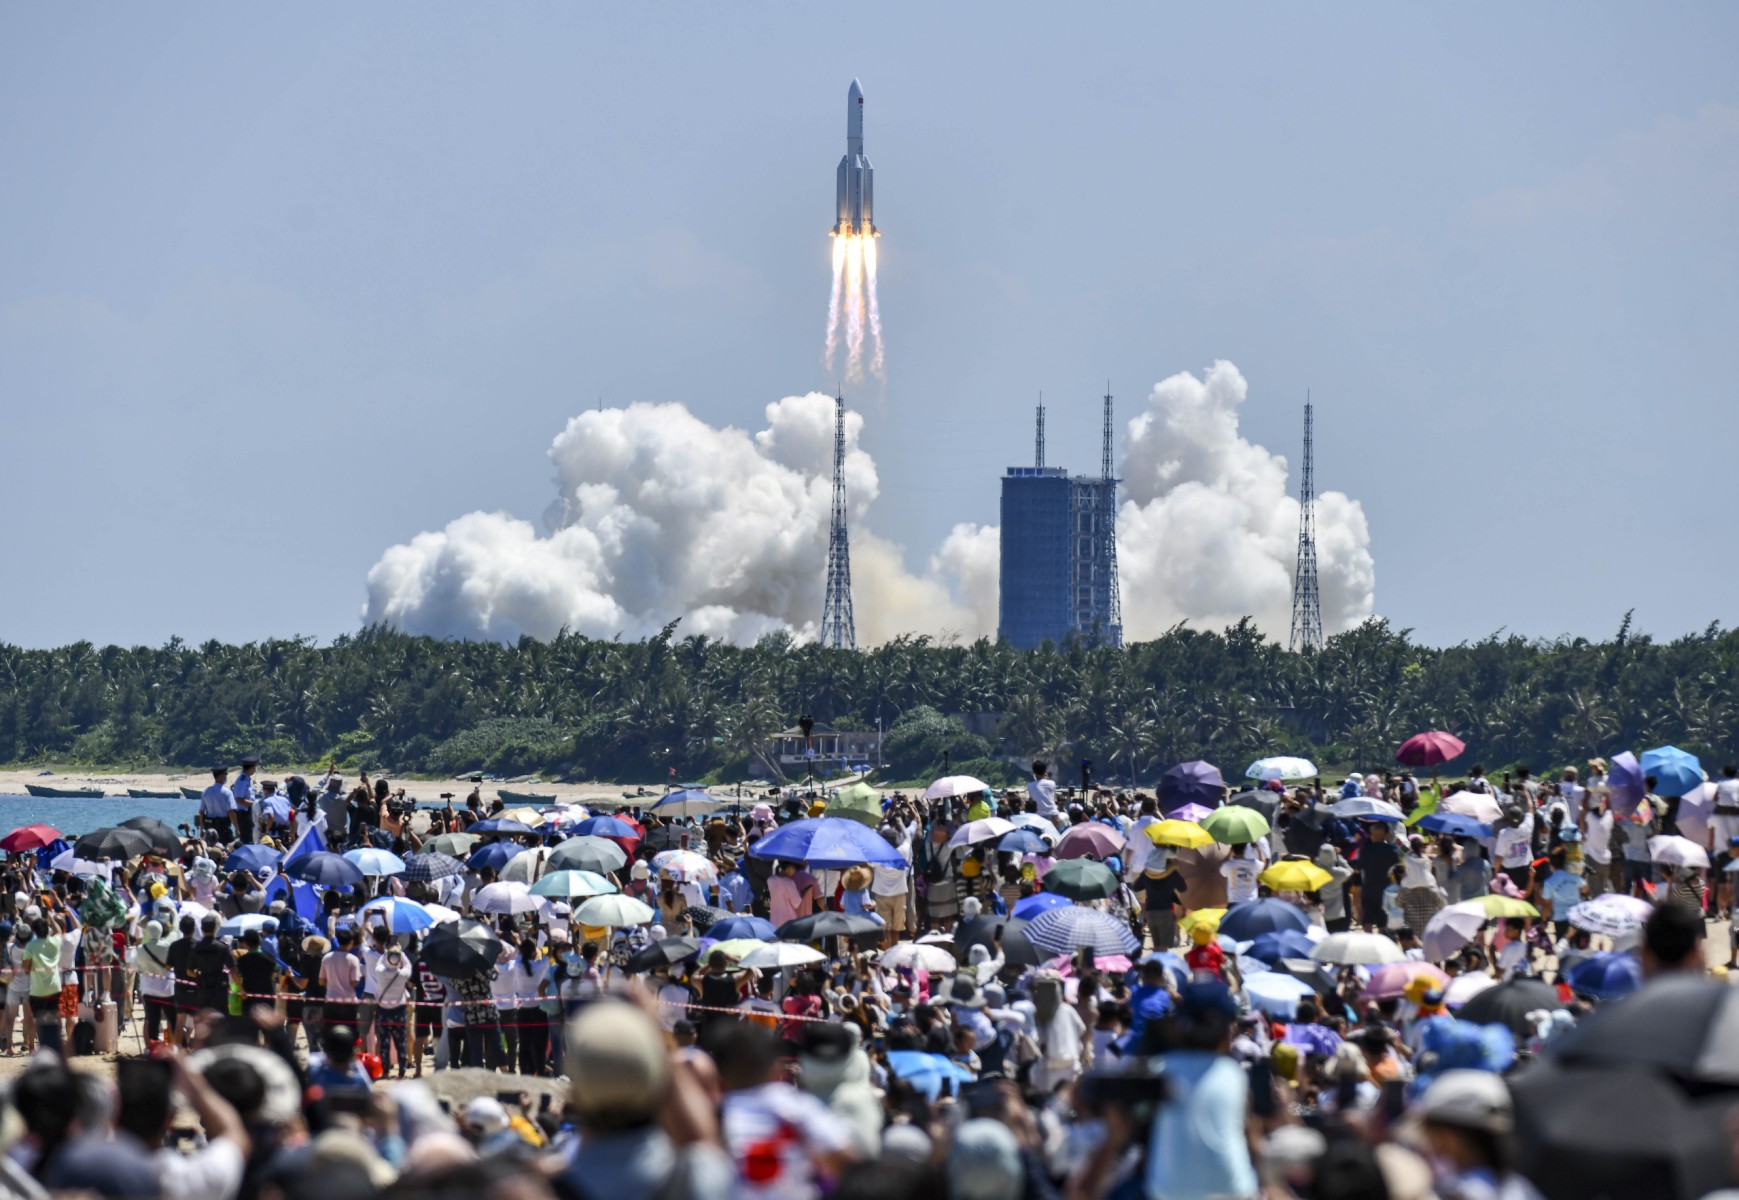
(148, 794)
(188, 793)
(54, 793)
(508, 797)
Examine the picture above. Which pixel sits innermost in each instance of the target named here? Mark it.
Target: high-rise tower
(1039, 436)
(1306, 602)
(1108, 531)
(838, 627)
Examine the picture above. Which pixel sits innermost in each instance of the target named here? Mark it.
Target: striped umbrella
(1066, 930)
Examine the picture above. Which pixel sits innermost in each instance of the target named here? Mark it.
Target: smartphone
(544, 1102)
(1262, 1089)
(1394, 1100)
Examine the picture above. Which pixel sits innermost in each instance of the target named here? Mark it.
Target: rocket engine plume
(853, 313)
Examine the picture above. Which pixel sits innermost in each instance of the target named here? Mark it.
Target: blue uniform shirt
(243, 790)
(218, 801)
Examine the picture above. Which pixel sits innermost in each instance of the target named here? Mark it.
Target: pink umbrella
(1108, 964)
(1430, 748)
(1392, 980)
(1089, 840)
(1191, 812)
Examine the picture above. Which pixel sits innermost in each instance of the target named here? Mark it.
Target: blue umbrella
(1287, 943)
(1276, 994)
(242, 922)
(1455, 824)
(607, 827)
(250, 857)
(1037, 903)
(828, 842)
(758, 928)
(494, 856)
(1605, 976)
(427, 867)
(1675, 771)
(500, 825)
(927, 1072)
(1191, 783)
(1023, 841)
(400, 915)
(374, 861)
(1624, 786)
(1247, 921)
(325, 868)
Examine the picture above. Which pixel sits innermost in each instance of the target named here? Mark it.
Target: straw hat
(857, 878)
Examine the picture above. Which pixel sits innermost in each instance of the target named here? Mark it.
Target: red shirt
(1210, 958)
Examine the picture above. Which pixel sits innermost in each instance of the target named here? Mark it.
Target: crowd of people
(1031, 994)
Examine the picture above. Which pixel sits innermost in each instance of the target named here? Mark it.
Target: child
(1206, 958)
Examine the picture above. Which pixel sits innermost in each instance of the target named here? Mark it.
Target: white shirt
(1241, 873)
(1597, 840)
(1727, 795)
(791, 1127)
(389, 985)
(1514, 844)
(1139, 848)
(1044, 795)
(1574, 795)
(212, 1173)
(894, 881)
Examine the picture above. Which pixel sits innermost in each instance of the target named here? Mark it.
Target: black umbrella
(1680, 1024)
(825, 925)
(662, 953)
(983, 930)
(1308, 971)
(1587, 1133)
(163, 839)
(112, 845)
(1081, 879)
(460, 949)
(1017, 950)
(703, 916)
(1266, 803)
(1510, 1002)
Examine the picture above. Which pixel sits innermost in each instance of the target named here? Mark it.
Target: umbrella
(573, 885)
(662, 953)
(1208, 917)
(242, 922)
(1619, 1131)
(758, 928)
(163, 839)
(1192, 812)
(426, 868)
(1684, 1025)
(702, 917)
(1677, 851)
(525, 816)
(1363, 808)
(1277, 994)
(1509, 1003)
(1249, 920)
(825, 925)
(1454, 824)
(919, 957)
(455, 845)
(1024, 841)
(31, 837)
(1264, 802)
(857, 802)
(69, 862)
(690, 802)
(1356, 949)
(1478, 805)
(1695, 808)
(112, 845)
(494, 856)
(398, 914)
(1449, 929)
(526, 866)
(955, 785)
(1430, 748)
(1605, 976)
(1037, 903)
(1463, 988)
(1495, 907)
(1624, 784)
(250, 856)
(987, 829)
(1387, 982)
(1291, 875)
(1282, 767)
(928, 1074)
(827, 842)
(1675, 771)
(1092, 839)
(464, 948)
(1204, 886)
(614, 911)
(1081, 879)
(685, 866)
(566, 814)
(1191, 782)
(325, 868)
(774, 955)
(1177, 832)
(1066, 930)
(1613, 914)
(615, 828)
(500, 825)
(507, 898)
(1235, 826)
(1287, 943)
(376, 862)
(587, 854)
(1034, 821)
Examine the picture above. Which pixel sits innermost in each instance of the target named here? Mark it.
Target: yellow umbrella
(1186, 835)
(1500, 906)
(735, 948)
(1294, 876)
(1209, 917)
(525, 816)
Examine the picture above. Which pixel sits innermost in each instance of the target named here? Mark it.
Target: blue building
(1058, 558)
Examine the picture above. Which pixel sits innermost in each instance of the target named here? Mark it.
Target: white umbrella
(1449, 929)
(1613, 914)
(1677, 852)
(1357, 949)
(506, 898)
(242, 922)
(1276, 994)
(1695, 808)
(73, 865)
(1282, 767)
(526, 866)
(1463, 988)
(1477, 805)
(937, 937)
(614, 911)
(919, 956)
(955, 785)
(442, 914)
(780, 954)
(690, 802)
(986, 829)
(1034, 821)
(1364, 808)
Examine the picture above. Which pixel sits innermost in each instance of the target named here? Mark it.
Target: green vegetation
(630, 710)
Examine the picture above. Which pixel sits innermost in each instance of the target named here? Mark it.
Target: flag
(313, 839)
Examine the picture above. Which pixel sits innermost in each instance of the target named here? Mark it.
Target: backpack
(84, 1038)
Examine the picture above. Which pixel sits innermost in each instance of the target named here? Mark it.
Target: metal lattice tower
(1109, 527)
(1039, 437)
(838, 627)
(1306, 601)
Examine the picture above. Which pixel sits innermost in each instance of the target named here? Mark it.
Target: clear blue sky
(282, 287)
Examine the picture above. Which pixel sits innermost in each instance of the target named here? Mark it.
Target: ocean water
(82, 816)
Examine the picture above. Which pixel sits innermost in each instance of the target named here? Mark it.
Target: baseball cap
(617, 1061)
(1470, 1099)
(486, 1115)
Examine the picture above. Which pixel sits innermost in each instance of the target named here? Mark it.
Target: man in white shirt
(1043, 791)
(1136, 853)
(1241, 870)
(1597, 849)
(1724, 823)
(783, 1140)
(892, 887)
(1512, 842)
(1575, 798)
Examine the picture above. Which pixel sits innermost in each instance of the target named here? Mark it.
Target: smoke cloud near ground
(659, 515)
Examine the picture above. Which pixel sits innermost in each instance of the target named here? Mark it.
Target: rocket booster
(854, 195)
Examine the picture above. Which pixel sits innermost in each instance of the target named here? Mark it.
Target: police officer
(244, 797)
(217, 807)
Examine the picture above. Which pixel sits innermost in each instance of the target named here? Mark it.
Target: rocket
(854, 196)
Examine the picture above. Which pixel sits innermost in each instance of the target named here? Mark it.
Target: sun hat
(616, 1060)
(1468, 1100)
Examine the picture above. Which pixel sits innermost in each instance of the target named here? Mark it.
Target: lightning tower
(1108, 530)
(838, 627)
(1306, 602)
(1039, 437)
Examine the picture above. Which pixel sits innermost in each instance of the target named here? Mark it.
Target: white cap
(486, 1115)
(1472, 1099)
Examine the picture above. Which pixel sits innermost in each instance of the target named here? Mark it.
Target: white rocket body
(854, 193)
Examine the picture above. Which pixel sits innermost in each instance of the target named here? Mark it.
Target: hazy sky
(282, 287)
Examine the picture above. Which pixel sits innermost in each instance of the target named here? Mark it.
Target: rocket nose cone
(856, 91)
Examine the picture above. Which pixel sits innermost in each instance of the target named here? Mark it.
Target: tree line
(588, 708)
